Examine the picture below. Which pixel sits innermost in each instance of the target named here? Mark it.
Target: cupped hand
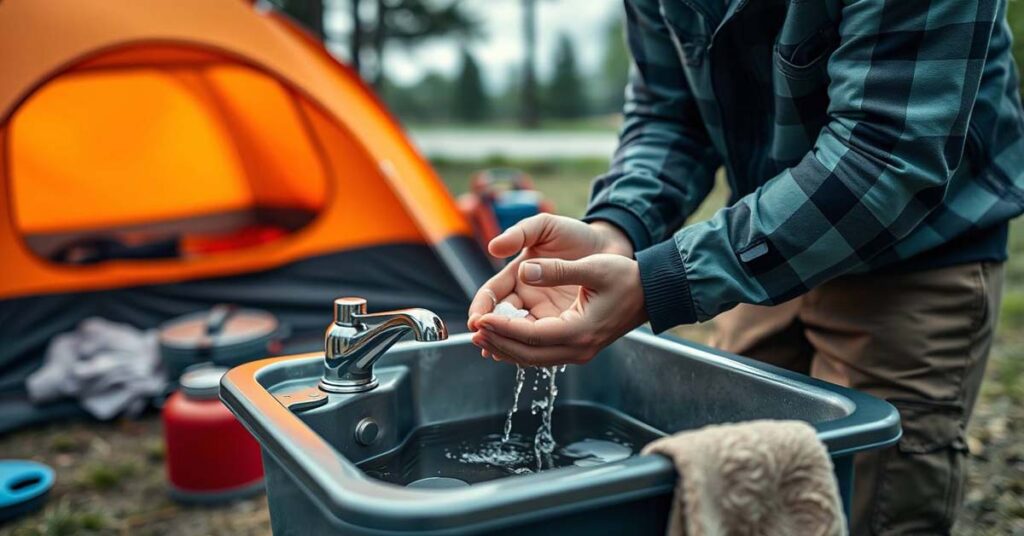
(577, 308)
(549, 236)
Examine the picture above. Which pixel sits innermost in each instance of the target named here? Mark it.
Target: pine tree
(529, 113)
(565, 97)
(614, 67)
(470, 102)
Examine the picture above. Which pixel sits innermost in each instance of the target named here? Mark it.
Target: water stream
(543, 441)
(520, 379)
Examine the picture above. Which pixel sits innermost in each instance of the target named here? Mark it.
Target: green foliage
(308, 13)
(614, 67)
(564, 96)
(411, 22)
(469, 98)
(1011, 317)
(1015, 16)
(426, 101)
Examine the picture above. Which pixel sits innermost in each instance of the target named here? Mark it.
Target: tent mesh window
(162, 152)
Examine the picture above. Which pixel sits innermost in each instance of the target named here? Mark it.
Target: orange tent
(157, 156)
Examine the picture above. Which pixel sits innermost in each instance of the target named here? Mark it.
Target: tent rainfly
(161, 156)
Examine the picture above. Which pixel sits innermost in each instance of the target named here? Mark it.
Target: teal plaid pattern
(854, 134)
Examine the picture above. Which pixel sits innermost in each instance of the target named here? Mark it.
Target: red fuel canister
(210, 456)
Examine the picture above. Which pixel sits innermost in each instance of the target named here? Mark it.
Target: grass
(609, 123)
(566, 183)
(63, 519)
(106, 476)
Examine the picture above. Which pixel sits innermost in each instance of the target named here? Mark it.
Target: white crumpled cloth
(110, 368)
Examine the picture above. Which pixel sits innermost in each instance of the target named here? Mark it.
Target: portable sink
(339, 463)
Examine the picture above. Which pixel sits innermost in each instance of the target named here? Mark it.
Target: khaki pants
(919, 340)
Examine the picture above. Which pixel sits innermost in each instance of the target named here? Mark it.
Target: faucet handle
(347, 310)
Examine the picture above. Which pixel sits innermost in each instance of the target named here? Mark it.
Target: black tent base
(300, 294)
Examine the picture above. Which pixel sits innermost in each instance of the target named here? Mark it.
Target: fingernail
(531, 271)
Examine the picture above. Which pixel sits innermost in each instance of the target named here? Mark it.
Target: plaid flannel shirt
(854, 133)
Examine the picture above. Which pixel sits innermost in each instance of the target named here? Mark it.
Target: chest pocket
(689, 33)
(803, 46)
(807, 58)
(806, 39)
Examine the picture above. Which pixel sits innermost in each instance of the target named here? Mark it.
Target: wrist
(613, 240)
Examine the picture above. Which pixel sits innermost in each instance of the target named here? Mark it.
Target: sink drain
(437, 482)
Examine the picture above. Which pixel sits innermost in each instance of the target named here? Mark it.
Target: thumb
(521, 235)
(588, 272)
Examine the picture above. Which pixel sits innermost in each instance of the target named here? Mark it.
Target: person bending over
(875, 152)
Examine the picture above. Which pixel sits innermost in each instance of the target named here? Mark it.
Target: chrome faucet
(356, 340)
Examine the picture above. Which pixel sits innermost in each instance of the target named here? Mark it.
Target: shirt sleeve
(903, 82)
(665, 163)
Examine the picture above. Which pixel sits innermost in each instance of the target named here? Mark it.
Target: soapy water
(474, 451)
(513, 454)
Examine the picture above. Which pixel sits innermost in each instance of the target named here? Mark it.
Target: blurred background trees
(475, 87)
(467, 93)
(470, 101)
(564, 96)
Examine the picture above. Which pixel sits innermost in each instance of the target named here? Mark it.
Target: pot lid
(220, 327)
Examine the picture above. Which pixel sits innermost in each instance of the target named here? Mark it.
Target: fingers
(507, 349)
(563, 329)
(523, 234)
(588, 272)
(493, 291)
(483, 303)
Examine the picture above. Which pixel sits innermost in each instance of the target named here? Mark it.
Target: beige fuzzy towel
(759, 478)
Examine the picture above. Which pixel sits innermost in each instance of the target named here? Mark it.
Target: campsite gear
(225, 335)
(498, 199)
(356, 340)
(210, 457)
(192, 120)
(317, 469)
(920, 340)
(111, 369)
(24, 486)
(769, 478)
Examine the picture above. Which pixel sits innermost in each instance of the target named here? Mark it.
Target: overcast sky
(500, 49)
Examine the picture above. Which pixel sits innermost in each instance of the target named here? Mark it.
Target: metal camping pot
(225, 335)
(210, 456)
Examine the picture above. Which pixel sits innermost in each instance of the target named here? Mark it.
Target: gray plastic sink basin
(644, 383)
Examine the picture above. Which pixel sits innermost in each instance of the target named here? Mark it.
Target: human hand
(590, 303)
(543, 235)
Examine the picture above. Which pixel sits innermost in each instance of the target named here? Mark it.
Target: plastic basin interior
(665, 384)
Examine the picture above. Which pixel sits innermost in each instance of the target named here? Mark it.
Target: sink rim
(351, 497)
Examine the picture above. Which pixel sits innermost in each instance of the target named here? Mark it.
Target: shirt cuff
(667, 296)
(629, 223)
